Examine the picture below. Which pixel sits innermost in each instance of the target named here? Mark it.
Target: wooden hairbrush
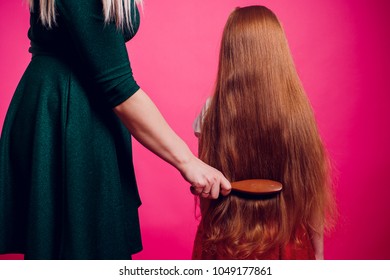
(257, 186)
(254, 187)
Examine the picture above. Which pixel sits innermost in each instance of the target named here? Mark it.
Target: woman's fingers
(206, 181)
(206, 191)
(212, 187)
(215, 190)
(225, 186)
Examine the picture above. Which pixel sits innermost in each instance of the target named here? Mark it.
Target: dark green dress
(67, 184)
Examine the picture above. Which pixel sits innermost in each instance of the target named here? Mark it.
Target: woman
(67, 184)
(259, 124)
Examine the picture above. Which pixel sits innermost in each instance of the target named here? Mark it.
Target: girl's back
(259, 124)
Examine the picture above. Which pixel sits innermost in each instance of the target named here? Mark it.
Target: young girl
(259, 124)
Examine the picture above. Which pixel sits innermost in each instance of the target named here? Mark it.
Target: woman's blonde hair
(260, 124)
(118, 11)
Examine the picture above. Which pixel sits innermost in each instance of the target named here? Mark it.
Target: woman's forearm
(145, 122)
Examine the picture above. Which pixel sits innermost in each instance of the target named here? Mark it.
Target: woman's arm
(145, 122)
(103, 54)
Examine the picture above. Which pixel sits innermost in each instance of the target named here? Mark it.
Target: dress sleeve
(101, 48)
(197, 124)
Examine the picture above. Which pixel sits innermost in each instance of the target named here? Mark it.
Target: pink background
(341, 49)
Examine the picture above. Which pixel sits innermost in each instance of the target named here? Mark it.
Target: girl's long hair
(260, 124)
(118, 11)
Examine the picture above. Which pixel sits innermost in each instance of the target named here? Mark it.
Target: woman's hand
(206, 181)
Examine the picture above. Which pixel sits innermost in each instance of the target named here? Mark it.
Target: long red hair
(260, 124)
